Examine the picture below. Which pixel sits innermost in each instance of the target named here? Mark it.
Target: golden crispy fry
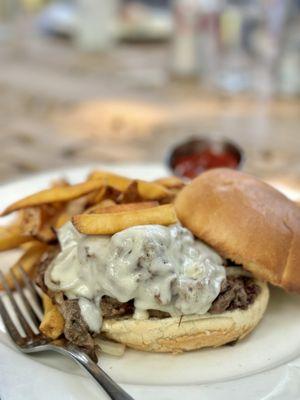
(126, 207)
(96, 196)
(56, 194)
(112, 194)
(47, 234)
(27, 245)
(62, 219)
(116, 181)
(109, 193)
(152, 191)
(110, 223)
(28, 262)
(32, 220)
(76, 206)
(80, 205)
(171, 182)
(106, 203)
(10, 229)
(53, 322)
(131, 194)
(39, 221)
(60, 182)
(147, 190)
(103, 204)
(12, 240)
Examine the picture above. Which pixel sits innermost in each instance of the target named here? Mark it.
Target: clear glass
(10, 10)
(232, 45)
(96, 24)
(250, 44)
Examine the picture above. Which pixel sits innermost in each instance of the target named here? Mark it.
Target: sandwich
(175, 273)
(201, 282)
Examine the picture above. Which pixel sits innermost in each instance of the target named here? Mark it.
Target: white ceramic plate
(254, 366)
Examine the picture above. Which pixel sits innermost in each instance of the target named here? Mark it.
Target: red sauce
(193, 164)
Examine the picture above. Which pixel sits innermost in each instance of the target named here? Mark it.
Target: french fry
(117, 181)
(38, 222)
(28, 262)
(32, 219)
(80, 205)
(171, 182)
(147, 190)
(103, 204)
(116, 208)
(27, 245)
(53, 322)
(109, 193)
(112, 194)
(76, 206)
(97, 196)
(62, 219)
(10, 229)
(106, 203)
(56, 194)
(60, 182)
(47, 234)
(152, 191)
(12, 240)
(131, 194)
(110, 223)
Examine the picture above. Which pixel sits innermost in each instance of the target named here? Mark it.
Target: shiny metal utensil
(34, 341)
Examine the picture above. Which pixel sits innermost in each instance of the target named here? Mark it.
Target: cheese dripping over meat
(160, 268)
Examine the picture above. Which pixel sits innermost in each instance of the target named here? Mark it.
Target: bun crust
(247, 221)
(192, 332)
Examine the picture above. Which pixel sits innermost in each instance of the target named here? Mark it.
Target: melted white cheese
(161, 268)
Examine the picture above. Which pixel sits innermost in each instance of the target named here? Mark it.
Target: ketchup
(193, 164)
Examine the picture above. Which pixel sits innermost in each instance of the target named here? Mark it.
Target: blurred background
(119, 81)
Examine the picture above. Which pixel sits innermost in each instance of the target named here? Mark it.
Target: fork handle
(111, 388)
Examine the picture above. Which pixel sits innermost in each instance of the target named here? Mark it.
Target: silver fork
(33, 342)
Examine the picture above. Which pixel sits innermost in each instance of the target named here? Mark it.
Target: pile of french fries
(104, 204)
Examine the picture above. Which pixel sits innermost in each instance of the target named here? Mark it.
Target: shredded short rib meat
(41, 269)
(76, 330)
(112, 308)
(236, 292)
(158, 314)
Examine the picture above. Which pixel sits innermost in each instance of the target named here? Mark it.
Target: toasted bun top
(247, 221)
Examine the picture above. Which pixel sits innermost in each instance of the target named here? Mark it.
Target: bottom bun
(191, 332)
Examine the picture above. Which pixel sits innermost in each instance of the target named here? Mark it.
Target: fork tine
(9, 325)
(22, 320)
(30, 286)
(27, 305)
